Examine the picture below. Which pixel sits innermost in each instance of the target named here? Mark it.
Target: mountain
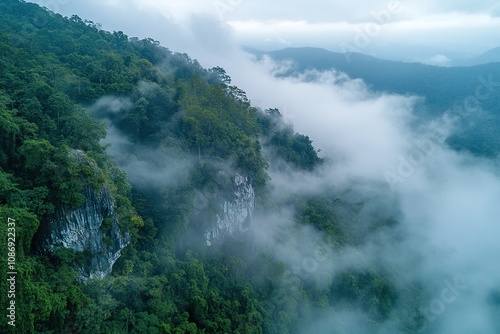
(136, 196)
(418, 54)
(441, 86)
(432, 55)
(445, 89)
(129, 176)
(490, 56)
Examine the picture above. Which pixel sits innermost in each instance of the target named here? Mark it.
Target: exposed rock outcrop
(82, 230)
(235, 213)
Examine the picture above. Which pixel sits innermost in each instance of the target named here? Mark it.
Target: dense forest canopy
(160, 131)
(53, 69)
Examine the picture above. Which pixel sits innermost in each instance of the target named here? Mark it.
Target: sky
(434, 30)
(448, 199)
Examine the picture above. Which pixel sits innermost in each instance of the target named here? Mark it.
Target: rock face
(235, 213)
(82, 230)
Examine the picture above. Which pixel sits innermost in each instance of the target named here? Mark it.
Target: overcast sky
(376, 27)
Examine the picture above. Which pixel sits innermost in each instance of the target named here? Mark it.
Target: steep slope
(53, 69)
(236, 214)
(93, 228)
(193, 148)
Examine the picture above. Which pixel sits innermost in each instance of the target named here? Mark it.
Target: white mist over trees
(390, 229)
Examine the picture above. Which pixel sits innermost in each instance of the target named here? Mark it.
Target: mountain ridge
(399, 77)
(487, 57)
(443, 89)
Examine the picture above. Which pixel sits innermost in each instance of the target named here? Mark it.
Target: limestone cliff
(235, 213)
(82, 230)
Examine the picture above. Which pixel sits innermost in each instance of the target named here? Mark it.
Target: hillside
(490, 56)
(186, 169)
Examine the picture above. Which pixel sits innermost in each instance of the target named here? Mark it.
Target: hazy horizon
(428, 32)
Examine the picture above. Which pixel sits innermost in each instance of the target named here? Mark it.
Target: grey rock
(235, 213)
(80, 229)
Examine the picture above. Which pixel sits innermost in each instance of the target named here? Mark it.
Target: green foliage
(7, 187)
(106, 224)
(294, 148)
(50, 151)
(45, 294)
(26, 224)
(331, 216)
(374, 292)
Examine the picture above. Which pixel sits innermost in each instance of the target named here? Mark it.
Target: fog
(446, 202)
(146, 167)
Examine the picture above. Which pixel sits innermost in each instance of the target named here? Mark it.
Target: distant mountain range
(432, 56)
(489, 56)
(420, 54)
(444, 88)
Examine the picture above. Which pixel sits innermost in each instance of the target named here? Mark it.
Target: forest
(59, 78)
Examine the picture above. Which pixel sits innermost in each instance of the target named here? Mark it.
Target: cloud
(362, 131)
(438, 31)
(447, 202)
(110, 105)
(438, 60)
(444, 24)
(495, 10)
(148, 168)
(145, 167)
(359, 11)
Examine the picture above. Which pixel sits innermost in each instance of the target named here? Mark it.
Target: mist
(446, 202)
(146, 167)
